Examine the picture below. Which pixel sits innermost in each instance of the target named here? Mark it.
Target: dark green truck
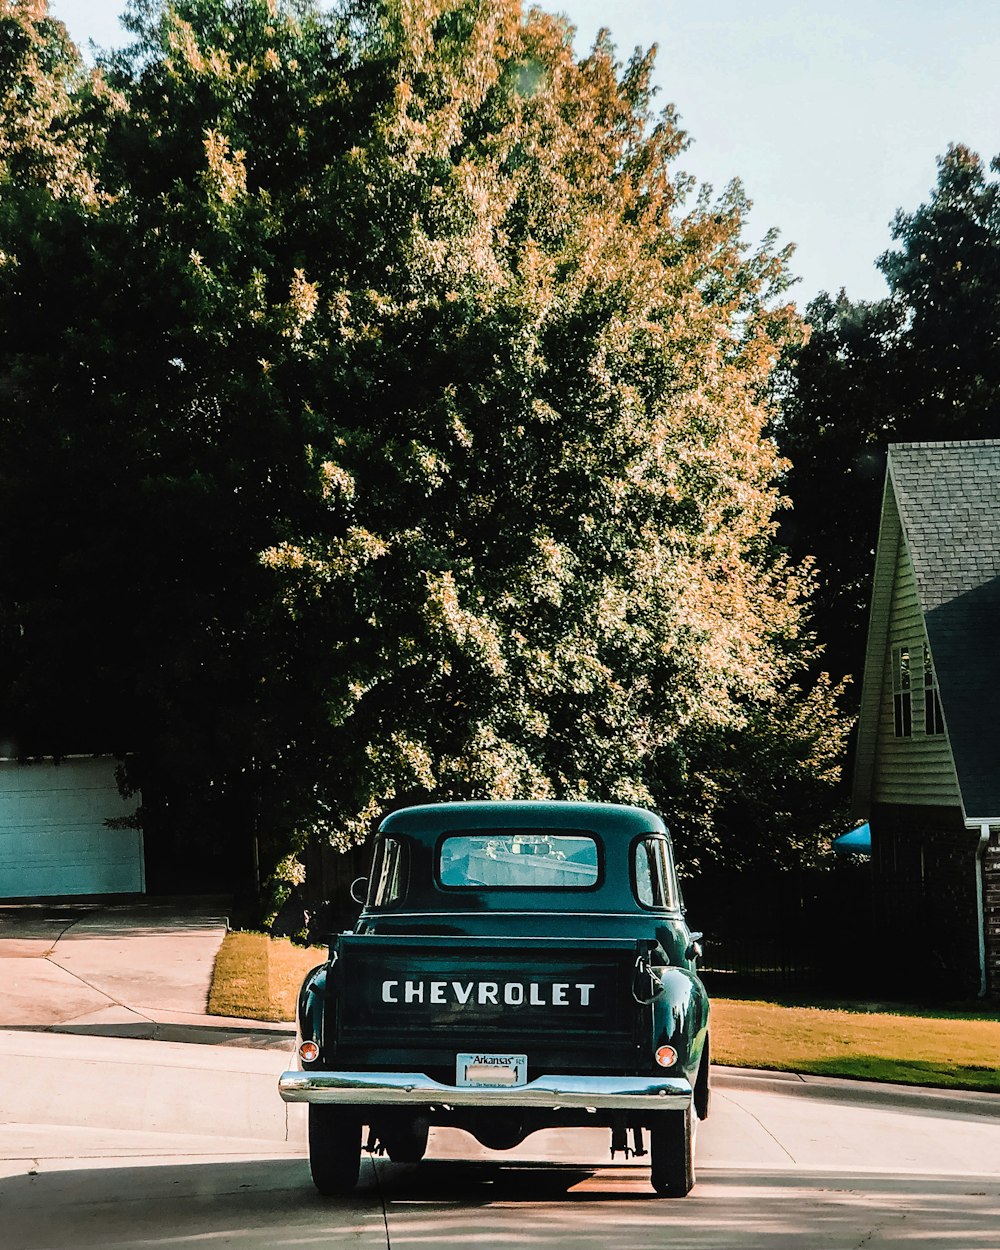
(516, 966)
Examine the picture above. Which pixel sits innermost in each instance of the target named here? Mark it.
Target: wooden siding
(887, 556)
(918, 770)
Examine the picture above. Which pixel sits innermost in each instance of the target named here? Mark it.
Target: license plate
(486, 1070)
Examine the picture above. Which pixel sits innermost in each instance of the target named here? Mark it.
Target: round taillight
(666, 1056)
(308, 1052)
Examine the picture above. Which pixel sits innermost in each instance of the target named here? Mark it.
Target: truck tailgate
(443, 991)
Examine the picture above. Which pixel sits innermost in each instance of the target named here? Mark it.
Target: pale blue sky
(831, 114)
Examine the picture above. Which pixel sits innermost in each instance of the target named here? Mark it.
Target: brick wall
(991, 909)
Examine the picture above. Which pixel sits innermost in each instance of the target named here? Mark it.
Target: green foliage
(287, 875)
(839, 409)
(921, 365)
(408, 420)
(765, 795)
(946, 274)
(42, 138)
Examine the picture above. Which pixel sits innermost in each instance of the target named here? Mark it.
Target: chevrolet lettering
(515, 966)
(510, 993)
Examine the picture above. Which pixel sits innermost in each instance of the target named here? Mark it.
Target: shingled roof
(948, 501)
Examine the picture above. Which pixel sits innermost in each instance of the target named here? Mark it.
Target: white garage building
(53, 839)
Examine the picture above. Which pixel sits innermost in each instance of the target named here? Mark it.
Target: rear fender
(680, 1019)
(312, 1005)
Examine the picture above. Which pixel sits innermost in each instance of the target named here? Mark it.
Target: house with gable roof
(927, 773)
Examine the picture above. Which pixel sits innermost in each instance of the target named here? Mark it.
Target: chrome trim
(597, 1093)
(386, 913)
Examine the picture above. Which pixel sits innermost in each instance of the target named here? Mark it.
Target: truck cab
(516, 966)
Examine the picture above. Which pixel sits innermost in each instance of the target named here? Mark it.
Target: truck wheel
(334, 1148)
(671, 1144)
(408, 1143)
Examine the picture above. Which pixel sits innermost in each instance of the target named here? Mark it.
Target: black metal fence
(785, 930)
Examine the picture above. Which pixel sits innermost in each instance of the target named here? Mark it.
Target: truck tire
(334, 1148)
(671, 1145)
(408, 1142)
(703, 1083)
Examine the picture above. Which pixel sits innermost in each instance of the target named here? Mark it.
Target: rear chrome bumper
(413, 1089)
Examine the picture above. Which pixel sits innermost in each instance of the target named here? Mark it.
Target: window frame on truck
(672, 892)
(388, 876)
(471, 888)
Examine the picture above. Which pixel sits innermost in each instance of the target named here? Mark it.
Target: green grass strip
(257, 977)
(951, 1053)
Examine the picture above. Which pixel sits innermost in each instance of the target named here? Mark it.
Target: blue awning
(854, 842)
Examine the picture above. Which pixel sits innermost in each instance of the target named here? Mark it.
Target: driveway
(783, 1165)
(119, 970)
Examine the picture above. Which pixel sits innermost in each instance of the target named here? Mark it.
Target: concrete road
(783, 1164)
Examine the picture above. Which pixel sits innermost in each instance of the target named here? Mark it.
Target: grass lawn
(257, 977)
(909, 1047)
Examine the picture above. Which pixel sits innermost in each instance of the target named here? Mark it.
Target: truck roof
(603, 818)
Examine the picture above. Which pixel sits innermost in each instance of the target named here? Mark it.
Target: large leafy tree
(923, 364)
(550, 527)
(405, 425)
(144, 454)
(945, 273)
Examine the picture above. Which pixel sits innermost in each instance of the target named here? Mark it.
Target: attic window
(933, 716)
(902, 695)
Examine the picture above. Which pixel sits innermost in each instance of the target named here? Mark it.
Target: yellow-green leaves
(42, 140)
(470, 632)
(303, 297)
(331, 562)
(226, 174)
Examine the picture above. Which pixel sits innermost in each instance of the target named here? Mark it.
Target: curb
(862, 1093)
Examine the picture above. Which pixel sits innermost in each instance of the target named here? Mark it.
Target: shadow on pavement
(150, 1030)
(112, 917)
(257, 1203)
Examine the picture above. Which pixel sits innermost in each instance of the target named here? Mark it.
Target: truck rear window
(519, 859)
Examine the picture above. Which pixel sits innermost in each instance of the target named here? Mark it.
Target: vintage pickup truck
(516, 966)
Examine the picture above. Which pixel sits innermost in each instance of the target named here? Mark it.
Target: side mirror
(359, 889)
(694, 950)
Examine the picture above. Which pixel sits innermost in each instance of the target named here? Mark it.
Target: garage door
(53, 839)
